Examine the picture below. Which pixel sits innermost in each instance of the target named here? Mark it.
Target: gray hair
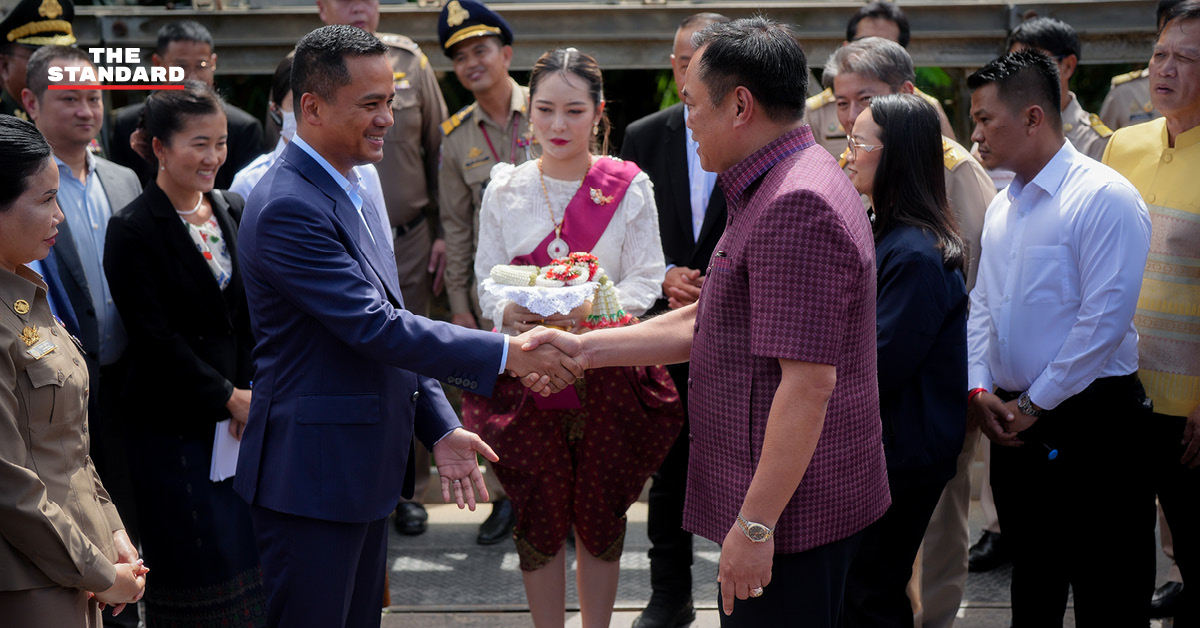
(873, 58)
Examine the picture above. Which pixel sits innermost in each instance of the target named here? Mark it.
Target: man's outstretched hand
(459, 469)
(545, 359)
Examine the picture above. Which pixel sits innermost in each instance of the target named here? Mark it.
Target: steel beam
(637, 35)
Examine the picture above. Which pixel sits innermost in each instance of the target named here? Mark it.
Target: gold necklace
(558, 247)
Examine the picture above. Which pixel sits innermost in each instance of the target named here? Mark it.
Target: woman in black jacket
(171, 261)
(921, 321)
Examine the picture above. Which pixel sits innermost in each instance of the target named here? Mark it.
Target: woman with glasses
(895, 160)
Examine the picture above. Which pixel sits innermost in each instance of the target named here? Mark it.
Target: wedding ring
(755, 592)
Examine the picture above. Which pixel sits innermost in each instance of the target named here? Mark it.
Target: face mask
(289, 125)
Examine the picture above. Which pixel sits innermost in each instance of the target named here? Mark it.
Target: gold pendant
(29, 336)
(21, 307)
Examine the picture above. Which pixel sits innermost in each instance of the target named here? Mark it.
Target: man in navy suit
(691, 219)
(345, 378)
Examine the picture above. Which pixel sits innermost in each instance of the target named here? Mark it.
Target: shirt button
(1167, 158)
(76, 361)
(53, 332)
(416, 395)
(1151, 198)
(61, 377)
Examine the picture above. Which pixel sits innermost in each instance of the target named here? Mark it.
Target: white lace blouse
(514, 219)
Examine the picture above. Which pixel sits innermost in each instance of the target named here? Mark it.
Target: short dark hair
(23, 154)
(319, 66)
(183, 30)
(281, 82)
(1056, 37)
(701, 20)
(580, 65)
(1161, 12)
(759, 54)
(884, 10)
(1022, 79)
(910, 183)
(165, 112)
(37, 73)
(1189, 10)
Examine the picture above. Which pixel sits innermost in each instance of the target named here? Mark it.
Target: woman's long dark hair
(910, 182)
(23, 155)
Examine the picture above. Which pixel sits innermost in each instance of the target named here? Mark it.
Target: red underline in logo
(116, 87)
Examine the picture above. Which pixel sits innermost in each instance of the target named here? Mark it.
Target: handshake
(547, 360)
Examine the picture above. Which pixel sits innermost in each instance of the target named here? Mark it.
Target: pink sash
(590, 210)
(585, 219)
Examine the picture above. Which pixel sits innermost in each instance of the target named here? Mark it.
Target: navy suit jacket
(344, 376)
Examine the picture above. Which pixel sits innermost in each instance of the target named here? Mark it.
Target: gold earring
(595, 129)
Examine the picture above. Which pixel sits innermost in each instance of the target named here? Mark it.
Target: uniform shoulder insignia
(399, 41)
(820, 100)
(951, 156)
(1098, 126)
(1121, 79)
(456, 120)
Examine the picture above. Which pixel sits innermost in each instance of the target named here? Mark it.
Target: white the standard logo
(115, 73)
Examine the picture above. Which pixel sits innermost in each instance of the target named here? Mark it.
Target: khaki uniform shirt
(1128, 101)
(822, 117)
(11, 106)
(467, 159)
(57, 521)
(1085, 130)
(408, 170)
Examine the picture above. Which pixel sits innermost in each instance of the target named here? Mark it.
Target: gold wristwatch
(756, 532)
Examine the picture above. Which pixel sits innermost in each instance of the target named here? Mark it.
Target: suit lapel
(344, 211)
(677, 169)
(68, 256)
(178, 241)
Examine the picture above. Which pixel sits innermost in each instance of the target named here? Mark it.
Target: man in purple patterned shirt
(787, 461)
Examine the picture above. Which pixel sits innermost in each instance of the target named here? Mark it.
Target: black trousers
(321, 573)
(1178, 489)
(876, 587)
(1084, 520)
(806, 590)
(670, 545)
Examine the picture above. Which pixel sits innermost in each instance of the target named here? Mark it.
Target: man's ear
(310, 109)
(906, 88)
(745, 104)
(1067, 67)
(29, 103)
(157, 60)
(1034, 117)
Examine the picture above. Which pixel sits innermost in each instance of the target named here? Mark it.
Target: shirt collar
(517, 105)
(1051, 176)
(738, 178)
(1186, 139)
(89, 163)
(344, 184)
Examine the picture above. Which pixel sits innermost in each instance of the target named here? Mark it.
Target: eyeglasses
(854, 146)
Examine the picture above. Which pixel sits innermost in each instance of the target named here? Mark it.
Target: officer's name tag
(41, 349)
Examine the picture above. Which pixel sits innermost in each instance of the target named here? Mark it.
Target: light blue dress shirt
(85, 206)
(700, 183)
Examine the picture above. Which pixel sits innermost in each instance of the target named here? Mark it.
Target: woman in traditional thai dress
(578, 458)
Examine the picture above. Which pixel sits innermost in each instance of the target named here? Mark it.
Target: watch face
(758, 532)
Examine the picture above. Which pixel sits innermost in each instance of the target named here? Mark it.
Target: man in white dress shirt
(1053, 357)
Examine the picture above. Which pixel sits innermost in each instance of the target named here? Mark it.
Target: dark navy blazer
(344, 376)
(921, 320)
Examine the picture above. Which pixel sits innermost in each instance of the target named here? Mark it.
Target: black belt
(407, 227)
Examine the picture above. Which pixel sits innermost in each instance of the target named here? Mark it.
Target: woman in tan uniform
(63, 549)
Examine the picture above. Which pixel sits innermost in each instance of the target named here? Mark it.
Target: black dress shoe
(411, 518)
(666, 615)
(499, 525)
(1166, 600)
(988, 554)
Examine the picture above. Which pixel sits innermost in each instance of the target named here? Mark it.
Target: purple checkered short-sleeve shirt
(793, 277)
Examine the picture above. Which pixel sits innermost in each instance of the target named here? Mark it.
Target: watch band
(1025, 404)
(756, 532)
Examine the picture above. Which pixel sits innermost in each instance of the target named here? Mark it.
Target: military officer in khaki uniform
(1128, 101)
(493, 129)
(408, 173)
(862, 70)
(1059, 41)
(29, 26)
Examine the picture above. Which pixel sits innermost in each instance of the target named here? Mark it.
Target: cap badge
(50, 9)
(455, 14)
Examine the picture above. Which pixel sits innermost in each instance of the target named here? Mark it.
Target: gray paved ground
(443, 579)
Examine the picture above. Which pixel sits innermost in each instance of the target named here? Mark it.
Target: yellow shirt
(1168, 312)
